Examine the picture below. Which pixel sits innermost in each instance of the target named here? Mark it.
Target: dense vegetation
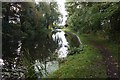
(27, 37)
(83, 64)
(101, 18)
(97, 25)
(27, 24)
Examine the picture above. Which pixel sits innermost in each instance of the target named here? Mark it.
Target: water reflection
(51, 63)
(41, 51)
(46, 68)
(40, 48)
(61, 40)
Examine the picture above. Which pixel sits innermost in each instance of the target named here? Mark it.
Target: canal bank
(90, 63)
(87, 63)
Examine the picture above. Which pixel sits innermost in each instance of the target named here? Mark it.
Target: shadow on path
(110, 63)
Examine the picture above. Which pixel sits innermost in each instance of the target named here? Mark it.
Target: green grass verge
(112, 47)
(86, 64)
(89, 62)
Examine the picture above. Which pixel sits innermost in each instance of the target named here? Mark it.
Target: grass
(112, 47)
(85, 64)
(89, 62)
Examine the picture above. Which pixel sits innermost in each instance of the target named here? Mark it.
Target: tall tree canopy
(28, 24)
(89, 17)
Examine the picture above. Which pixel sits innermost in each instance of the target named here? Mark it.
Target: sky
(61, 6)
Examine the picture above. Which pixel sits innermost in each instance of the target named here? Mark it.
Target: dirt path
(110, 62)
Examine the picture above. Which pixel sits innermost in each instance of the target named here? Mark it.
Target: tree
(25, 25)
(92, 17)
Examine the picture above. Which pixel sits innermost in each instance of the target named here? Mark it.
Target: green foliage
(92, 17)
(29, 63)
(75, 50)
(109, 45)
(27, 23)
(87, 64)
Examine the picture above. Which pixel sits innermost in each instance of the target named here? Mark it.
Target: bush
(75, 50)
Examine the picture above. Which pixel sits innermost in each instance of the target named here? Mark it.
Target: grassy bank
(112, 47)
(85, 64)
(89, 62)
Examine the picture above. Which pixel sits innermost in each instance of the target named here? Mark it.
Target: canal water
(60, 52)
(44, 53)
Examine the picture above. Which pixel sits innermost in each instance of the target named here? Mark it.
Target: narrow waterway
(62, 42)
(60, 53)
(45, 53)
